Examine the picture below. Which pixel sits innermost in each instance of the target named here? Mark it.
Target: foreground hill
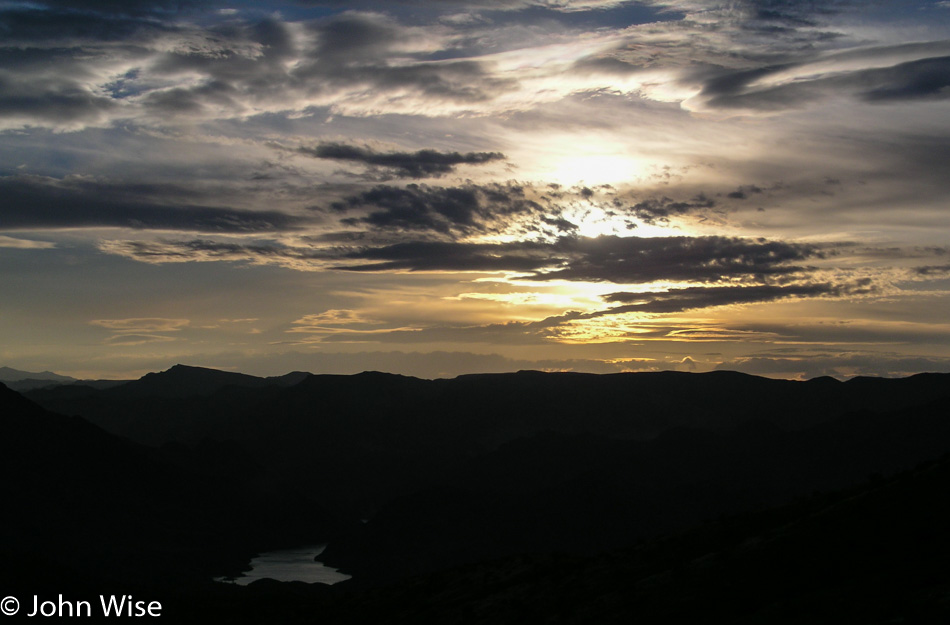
(872, 554)
(84, 508)
(515, 498)
(582, 495)
(449, 472)
(875, 553)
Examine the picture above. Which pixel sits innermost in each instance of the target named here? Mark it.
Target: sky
(440, 187)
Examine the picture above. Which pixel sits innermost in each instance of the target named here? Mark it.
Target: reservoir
(290, 565)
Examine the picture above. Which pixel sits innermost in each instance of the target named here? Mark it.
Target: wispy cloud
(25, 244)
(35, 202)
(691, 298)
(143, 324)
(419, 164)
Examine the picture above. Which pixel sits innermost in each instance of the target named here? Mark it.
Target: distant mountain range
(13, 375)
(26, 380)
(408, 477)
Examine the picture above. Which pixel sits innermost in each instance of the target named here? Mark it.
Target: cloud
(151, 63)
(330, 320)
(659, 210)
(123, 6)
(600, 259)
(35, 202)
(842, 365)
(142, 324)
(445, 210)
(207, 250)
(509, 332)
(876, 75)
(475, 5)
(678, 300)
(59, 102)
(915, 80)
(620, 324)
(141, 330)
(743, 192)
(932, 270)
(419, 164)
(625, 260)
(25, 244)
(60, 66)
(38, 29)
(334, 316)
(359, 63)
(703, 259)
(132, 339)
(450, 256)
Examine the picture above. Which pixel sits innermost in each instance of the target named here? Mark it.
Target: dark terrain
(527, 497)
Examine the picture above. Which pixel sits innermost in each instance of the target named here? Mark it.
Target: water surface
(290, 565)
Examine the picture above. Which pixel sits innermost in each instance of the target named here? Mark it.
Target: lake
(290, 565)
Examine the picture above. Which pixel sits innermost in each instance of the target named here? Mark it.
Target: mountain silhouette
(419, 477)
(182, 381)
(26, 380)
(873, 553)
(13, 375)
(84, 507)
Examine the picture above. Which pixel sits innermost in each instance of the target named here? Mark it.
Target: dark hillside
(85, 505)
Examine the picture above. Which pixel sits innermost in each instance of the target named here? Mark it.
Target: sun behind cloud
(594, 168)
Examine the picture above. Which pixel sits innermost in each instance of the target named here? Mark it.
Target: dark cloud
(164, 250)
(354, 49)
(743, 192)
(32, 202)
(420, 164)
(798, 13)
(450, 256)
(659, 210)
(916, 80)
(241, 54)
(443, 210)
(243, 64)
(126, 7)
(473, 5)
(703, 259)
(622, 260)
(933, 270)
(193, 100)
(55, 101)
(927, 78)
(354, 37)
(600, 259)
(678, 300)
(35, 29)
(456, 81)
(53, 62)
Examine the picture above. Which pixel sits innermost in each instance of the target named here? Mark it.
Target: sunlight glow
(594, 169)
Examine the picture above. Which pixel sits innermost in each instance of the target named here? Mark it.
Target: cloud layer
(659, 183)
